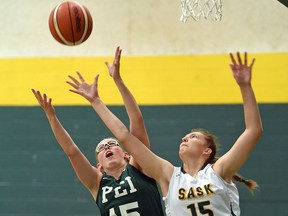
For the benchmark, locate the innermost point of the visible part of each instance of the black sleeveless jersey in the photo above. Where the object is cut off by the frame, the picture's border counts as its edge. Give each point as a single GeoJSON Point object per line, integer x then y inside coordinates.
{"type": "Point", "coordinates": [133, 193]}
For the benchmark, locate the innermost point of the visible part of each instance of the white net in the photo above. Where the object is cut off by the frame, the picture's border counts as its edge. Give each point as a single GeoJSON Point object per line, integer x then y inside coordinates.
{"type": "Point", "coordinates": [198, 9]}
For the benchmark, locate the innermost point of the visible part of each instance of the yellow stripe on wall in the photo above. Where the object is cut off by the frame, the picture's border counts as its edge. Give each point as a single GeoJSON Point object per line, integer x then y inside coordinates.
{"type": "Point", "coordinates": [154, 80]}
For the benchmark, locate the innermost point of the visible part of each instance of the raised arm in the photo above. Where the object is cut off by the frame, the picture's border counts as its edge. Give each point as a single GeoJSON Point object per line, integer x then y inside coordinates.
{"type": "Point", "coordinates": [156, 167]}
{"type": "Point", "coordinates": [87, 174]}
{"type": "Point", "coordinates": [232, 161]}
{"type": "Point", "coordinates": [137, 126]}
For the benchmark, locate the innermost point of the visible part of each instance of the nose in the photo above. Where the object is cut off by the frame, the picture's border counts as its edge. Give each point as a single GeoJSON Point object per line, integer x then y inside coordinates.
{"type": "Point", "coordinates": [106, 146]}
{"type": "Point", "coordinates": [184, 139]}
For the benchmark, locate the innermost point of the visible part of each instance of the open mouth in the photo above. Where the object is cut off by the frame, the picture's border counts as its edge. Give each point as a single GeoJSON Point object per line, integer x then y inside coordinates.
{"type": "Point", "coordinates": [109, 154]}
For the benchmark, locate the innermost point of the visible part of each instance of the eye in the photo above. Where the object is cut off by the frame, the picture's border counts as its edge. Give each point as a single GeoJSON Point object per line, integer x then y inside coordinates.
{"type": "Point", "coordinates": [100, 148]}
{"type": "Point", "coordinates": [112, 143]}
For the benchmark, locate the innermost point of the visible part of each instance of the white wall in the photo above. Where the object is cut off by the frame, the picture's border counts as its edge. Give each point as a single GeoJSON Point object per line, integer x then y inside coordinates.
{"type": "Point", "coordinates": [146, 27]}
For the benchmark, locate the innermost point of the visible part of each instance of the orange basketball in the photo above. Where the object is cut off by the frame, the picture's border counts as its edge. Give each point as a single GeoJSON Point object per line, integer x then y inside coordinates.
{"type": "Point", "coordinates": [70, 23]}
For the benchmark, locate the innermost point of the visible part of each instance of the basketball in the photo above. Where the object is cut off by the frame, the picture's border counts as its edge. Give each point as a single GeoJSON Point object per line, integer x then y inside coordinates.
{"type": "Point", "coordinates": [70, 23]}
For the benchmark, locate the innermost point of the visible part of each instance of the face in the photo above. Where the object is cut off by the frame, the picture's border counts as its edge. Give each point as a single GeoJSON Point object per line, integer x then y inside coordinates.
{"type": "Point", "coordinates": [193, 145]}
{"type": "Point", "coordinates": [110, 154]}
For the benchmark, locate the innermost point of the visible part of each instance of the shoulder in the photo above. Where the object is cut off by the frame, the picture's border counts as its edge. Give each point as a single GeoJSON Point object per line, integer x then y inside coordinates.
{"type": "Point", "coordinates": [177, 172]}
{"type": "Point", "coordinates": [135, 172]}
{"type": "Point", "coordinates": [209, 170]}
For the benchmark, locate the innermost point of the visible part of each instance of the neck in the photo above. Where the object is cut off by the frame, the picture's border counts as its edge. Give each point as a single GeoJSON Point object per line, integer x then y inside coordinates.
{"type": "Point", "coordinates": [115, 171]}
{"type": "Point", "coordinates": [193, 166]}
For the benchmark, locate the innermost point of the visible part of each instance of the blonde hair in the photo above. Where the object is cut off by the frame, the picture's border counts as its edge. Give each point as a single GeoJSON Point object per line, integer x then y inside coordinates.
{"type": "Point", "coordinates": [212, 142]}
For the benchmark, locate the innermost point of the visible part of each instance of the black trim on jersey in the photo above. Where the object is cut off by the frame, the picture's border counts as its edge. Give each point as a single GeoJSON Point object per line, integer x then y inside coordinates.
{"type": "Point", "coordinates": [183, 171]}
{"type": "Point", "coordinates": [232, 213]}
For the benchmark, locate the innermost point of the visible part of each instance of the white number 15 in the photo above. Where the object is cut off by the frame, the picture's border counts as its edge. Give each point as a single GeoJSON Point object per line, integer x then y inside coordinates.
{"type": "Point", "coordinates": [125, 208]}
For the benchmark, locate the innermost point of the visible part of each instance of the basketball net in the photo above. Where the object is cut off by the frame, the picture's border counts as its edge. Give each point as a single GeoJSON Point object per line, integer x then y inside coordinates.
{"type": "Point", "coordinates": [198, 9]}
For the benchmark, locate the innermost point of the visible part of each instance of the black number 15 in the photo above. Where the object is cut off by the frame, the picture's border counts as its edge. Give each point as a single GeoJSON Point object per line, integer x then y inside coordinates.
{"type": "Point", "coordinates": [202, 210]}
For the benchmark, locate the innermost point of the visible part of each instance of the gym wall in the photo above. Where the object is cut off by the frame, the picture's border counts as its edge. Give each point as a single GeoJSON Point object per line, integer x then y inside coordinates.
{"type": "Point", "coordinates": [178, 72]}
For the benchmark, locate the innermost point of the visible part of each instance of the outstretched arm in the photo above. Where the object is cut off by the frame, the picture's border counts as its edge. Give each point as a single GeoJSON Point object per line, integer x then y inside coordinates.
{"type": "Point", "coordinates": [87, 174]}
{"type": "Point", "coordinates": [156, 167]}
{"type": "Point", "coordinates": [232, 161]}
{"type": "Point", "coordinates": [137, 126]}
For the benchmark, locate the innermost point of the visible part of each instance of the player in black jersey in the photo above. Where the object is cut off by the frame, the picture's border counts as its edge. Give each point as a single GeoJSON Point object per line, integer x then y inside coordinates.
{"type": "Point", "coordinates": [118, 184]}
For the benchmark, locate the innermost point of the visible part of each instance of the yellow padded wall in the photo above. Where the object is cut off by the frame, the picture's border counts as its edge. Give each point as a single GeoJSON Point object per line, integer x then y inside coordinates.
{"type": "Point", "coordinates": [154, 80]}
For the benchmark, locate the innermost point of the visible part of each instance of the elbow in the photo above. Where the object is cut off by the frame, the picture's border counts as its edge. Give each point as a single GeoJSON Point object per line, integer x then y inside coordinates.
{"type": "Point", "coordinates": [72, 151]}
{"type": "Point", "coordinates": [260, 131]}
{"type": "Point", "coordinates": [137, 118]}
{"type": "Point", "coordinates": [257, 132]}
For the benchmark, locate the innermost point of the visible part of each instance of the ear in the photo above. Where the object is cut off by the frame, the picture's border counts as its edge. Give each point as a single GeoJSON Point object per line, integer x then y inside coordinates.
{"type": "Point", "coordinates": [126, 157]}
{"type": "Point", "coordinates": [207, 151]}
{"type": "Point", "coordinates": [99, 167]}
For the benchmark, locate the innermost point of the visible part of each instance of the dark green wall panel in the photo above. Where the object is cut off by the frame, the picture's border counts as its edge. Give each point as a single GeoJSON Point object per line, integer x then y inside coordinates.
{"type": "Point", "coordinates": [36, 178]}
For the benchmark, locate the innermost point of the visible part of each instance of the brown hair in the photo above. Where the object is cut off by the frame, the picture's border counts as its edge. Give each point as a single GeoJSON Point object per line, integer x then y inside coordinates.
{"type": "Point", "coordinates": [212, 142]}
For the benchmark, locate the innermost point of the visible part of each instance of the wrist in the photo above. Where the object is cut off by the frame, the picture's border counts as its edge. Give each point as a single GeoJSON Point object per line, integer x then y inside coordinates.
{"type": "Point", "coordinates": [245, 85]}
{"type": "Point", "coordinates": [117, 79]}
{"type": "Point", "coordinates": [94, 100]}
{"type": "Point", "coordinates": [50, 116]}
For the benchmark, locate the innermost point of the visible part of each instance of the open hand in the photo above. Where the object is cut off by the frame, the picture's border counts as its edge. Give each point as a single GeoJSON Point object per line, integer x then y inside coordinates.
{"type": "Point", "coordinates": [88, 91]}
{"type": "Point", "coordinates": [45, 102]}
{"type": "Point", "coordinates": [114, 68]}
{"type": "Point", "coordinates": [241, 70]}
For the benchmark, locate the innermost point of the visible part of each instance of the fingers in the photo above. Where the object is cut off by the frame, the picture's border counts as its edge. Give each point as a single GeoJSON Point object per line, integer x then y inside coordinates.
{"type": "Point", "coordinates": [38, 96]}
{"type": "Point", "coordinates": [107, 64]}
{"type": "Point", "coordinates": [45, 97]}
{"type": "Point", "coordinates": [42, 100]}
{"type": "Point", "coordinates": [252, 63]}
{"type": "Point", "coordinates": [72, 84]}
{"type": "Point", "coordinates": [75, 84]}
{"type": "Point", "coordinates": [232, 59]}
{"type": "Point", "coordinates": [34, 92]}
{"type": "Point", "coordinates": [245, 58]}
{"type": "Point", "coordinates": [74, 80]}
{"type": "Point", "coordinates": [50, 101]}
{"type": "Point", "coordinates": [117, 56]}
{"type": "Point", "coordinates": [116, 51]}
{"type": "Point", "coordinates": [239, 58]}
{"type": "Point", "coordinates": [74, 91]}
{"type": "Point", "coordinates": [96, 79]}
{"type": "Point", "coordinates": [80, 77]}
{"type": "Point", "coordinates": [47, 100]}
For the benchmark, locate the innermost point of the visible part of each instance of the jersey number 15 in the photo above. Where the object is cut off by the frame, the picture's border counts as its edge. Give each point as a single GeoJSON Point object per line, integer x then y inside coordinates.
{"type": "Point", "coordinates": [125, 208]}
{"type": "Point", "coordinates": [202, 210]}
